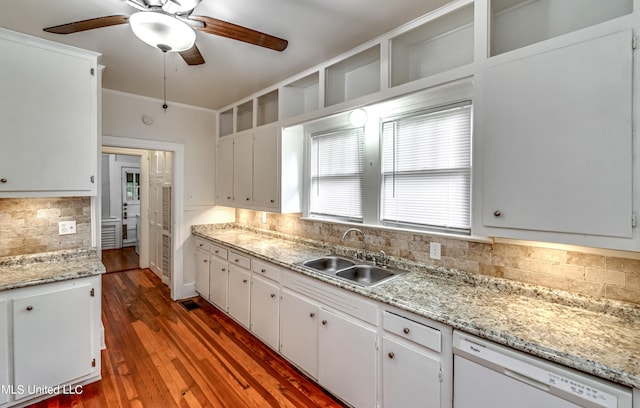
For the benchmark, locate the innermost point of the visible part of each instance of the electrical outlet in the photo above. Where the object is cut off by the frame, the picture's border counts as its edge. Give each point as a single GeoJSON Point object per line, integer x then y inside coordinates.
{"type": "Point", "coordinates": [434, 250]}
{"type": "Point", "coordinates": [264, 217]}
{"type": "Point", "coordinates": [66, 227]}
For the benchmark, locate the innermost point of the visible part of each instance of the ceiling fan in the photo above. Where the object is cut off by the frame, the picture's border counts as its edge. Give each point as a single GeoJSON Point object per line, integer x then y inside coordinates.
{"type": "Point", "coordinates": [169, 26]}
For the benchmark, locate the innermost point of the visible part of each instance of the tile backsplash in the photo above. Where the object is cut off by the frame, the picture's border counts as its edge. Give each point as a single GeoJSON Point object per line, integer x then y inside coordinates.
{"type": "Point", "coordinates": [580, 271]}
{"type": "Point", "coordinates": [30, 225]}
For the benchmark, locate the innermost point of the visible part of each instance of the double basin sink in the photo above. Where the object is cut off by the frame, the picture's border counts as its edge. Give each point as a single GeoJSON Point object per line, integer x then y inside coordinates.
{"type": "Point", "coordinates": [350, 270]}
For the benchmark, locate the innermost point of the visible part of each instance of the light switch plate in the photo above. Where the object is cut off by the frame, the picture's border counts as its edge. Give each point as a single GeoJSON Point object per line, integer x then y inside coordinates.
{"type": "Point", "coordinates": [434, 250]}
{"type": "Point", "coordinates": [66, 227]}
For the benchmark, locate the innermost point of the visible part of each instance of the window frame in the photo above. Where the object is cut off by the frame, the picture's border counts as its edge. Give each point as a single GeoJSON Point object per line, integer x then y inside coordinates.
{"type": "Point", "coordinates": [436, 98]}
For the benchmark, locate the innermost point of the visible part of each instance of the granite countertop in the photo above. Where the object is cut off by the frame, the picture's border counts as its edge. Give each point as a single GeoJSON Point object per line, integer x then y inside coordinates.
{"type": "Point", "coordinates": [29, 270]}
{"type": "Point", "coordinates": [600, 337]}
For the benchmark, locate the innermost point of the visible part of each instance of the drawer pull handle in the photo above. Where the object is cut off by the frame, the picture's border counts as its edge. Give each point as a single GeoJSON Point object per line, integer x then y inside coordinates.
{"type": "Point", "coordinates": [312, 314]}
{"type": "Point", "coordinates": [236, 261]}
{"type": "Point", "coordinates": [223, 269]}
{"type": "Point", "coordinates": [29, 308]}
{"type": "Point", "coordinates": [205, 261]}
{"type": "Point", "coordinates": [406, 330]}
{"type": "Point", "coordinates": [391, 355]}
{"type": "Point", "coordinates": [3, 180]}
{"type": "Point", "coordinates": [324, 322]}
{"type": "Point", "coordinates": [273, 295]}
{"type": "Point", "coordinates": [263, 270]}
{"type": "Point", "coordinates": [216, 251]}
{"type": "Point", "coordinates": [244, 281]}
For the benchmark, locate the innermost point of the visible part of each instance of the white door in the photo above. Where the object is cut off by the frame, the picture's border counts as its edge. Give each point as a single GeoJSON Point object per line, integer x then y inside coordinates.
{"type": "Point", "coordinates": [347, 359]}
{"type": "Point", "coordinates": [130, 204]}
{"type": "Point", "coordinates": [202, 273]}
{"type": "Point", "coordinates": [239, 294]}
{"type": "Point", "coordinates": [264, 310]}
{"type": "Point", "coordinates": [299, 331]}
{"type": "Point", "coordinates": [219, 282]}
{"type": "Point", "coordinates": [51, 339]}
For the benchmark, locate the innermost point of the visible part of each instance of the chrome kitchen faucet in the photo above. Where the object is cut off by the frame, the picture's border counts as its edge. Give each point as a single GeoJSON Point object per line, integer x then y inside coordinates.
{"type": "Point", "coordinates": [364, 244]}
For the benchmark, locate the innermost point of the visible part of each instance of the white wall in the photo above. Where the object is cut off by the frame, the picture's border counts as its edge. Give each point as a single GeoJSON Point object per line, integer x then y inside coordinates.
{"type": "Point", "coordinates": [192, 128]}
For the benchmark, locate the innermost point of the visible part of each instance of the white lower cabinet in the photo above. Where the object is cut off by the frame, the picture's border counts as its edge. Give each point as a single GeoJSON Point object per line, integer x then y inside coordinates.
{"type": "Point", "coordinates": [203, 266]}
{"type": "Point", "coordinates": [52, 338]}
{"type": "Point", "coordinates": [264, 310]}
{"type": "Point", "coordinates": [347, 359]}
{"type": "Point", "coordinates": [364, 355]}
{"type": "Point", "coordinates": [417, 366]}
{"type": "Point", "coordinates": [219, 282]}
{"type": "Point", "coordinates": [410, 377]}
{"type": "Point", "coordinates": [239, 294]}
{"type": "Point", "coordinates": [299, 331]}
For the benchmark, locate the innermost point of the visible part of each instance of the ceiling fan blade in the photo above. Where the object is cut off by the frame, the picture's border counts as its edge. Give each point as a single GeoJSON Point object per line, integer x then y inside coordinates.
{"type": "Point", "coordinates": [88, 24]}
{"type": "Point", "coordinates": [236, 32]}
{"type": "Point", "coordinates": [192, 56]}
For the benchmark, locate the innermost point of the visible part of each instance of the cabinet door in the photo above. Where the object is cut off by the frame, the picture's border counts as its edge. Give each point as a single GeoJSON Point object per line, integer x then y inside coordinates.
{"type": "Point", "coordinates": [202, 273]}
{"type": "Point", "coordinates": [219, 282]}
{"type": "Point", "coordinates": [52, 337]}
{"type": "Point", "coordinates": [347, 359]}
{"type": "Point", "coordinates": [265, 168]}
{"type": "Point", "coordinates": [299, 331]}
{"type": "Point", "coordinates": [48, 119]}
{"type": "Point", "coordinates": [410, 376]}
{"type": "Point", "coordinates": [554, 131]}
{"type": "Point", "coordinates": [224, 173]}
{"type": "Point", "coordinates": [242, 169]}
{"type": "Point", "coordinates": [239, 294]}
{"type": "Point", "coordinates": [264, 310]}
{"type": "Point", "coordinates": [4, 351]}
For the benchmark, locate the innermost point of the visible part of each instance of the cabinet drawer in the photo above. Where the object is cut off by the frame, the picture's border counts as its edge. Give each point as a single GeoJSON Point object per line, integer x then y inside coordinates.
{"type": "Point", "coordinates": [203, 244]}
{"type": "Point", "coordinates": [218, 251]}
{"type": "Point", "coordinates": [240, 260]}
{"type": "Point", "coordinates": [266, 269]}
{"type": "Point", "coordinates": [412, 330]}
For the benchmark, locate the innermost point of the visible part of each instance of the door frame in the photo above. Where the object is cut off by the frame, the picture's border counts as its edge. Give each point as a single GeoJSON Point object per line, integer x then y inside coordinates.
{"type": "Point", "coordinates": [113, 143]}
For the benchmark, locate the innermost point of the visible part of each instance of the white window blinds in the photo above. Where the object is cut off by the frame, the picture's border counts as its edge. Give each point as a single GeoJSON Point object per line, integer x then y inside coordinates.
{"type": "Point", "coordinates": [426, 173]}
{"type": "Point", "coordinates": [337, 172]}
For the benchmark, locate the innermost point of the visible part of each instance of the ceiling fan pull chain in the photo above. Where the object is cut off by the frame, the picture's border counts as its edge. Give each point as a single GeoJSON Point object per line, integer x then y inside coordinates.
{"type": "Point", "coordinates": [164, 74]}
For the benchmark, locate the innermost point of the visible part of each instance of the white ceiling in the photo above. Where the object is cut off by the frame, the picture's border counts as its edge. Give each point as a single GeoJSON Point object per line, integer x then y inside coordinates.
{"type": "Point", "coordinates": [317, 30]}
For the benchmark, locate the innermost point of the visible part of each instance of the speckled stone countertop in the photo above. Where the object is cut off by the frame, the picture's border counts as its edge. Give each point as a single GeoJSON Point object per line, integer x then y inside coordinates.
{"type": "Point", "coordinates": [29, 270]}
{"type": "Point", "coordinates": [599, 337]}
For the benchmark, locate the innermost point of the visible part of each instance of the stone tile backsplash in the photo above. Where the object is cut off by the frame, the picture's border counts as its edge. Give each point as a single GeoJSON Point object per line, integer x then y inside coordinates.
{"type": "Point", "coordinates": [30, 225]}
{"type": "Point", "coordinates": [603, 276]}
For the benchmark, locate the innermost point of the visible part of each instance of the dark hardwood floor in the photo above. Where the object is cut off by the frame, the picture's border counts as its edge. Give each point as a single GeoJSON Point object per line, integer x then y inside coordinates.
{"type": "Point", "coordinates": [160, 354]}
{"type": "Point", "coordinates": [117, 260]}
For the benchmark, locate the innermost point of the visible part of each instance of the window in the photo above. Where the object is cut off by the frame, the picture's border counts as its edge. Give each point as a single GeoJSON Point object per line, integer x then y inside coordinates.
{"type": "Point", "coordinates": [337, 174]}
{"type": "Point", "coordinates": [408, 166]}
{"type": "Point", "coordinates": [426, 169]}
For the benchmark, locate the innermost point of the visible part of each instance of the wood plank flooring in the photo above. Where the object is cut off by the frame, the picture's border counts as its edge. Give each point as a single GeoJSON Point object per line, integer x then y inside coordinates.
{"type": "Point", "coordinates": [159, 354]}
{"type": "Point", "coordinates": [117, 260]}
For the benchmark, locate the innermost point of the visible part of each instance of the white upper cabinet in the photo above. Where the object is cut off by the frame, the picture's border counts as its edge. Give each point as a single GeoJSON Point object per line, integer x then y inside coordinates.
{"type": "Point", "coordinates": [552, 92]}
{"type": "Point", "coordinates": [553, 131]}
{"type": "Point", "coordinates": [48, 118]}
{"type": "Point", "coordinates": [265, 168]}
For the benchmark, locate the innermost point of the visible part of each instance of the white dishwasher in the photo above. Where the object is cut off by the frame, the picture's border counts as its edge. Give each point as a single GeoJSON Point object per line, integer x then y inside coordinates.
{"type": "Point", "coordinates": [493, 376]}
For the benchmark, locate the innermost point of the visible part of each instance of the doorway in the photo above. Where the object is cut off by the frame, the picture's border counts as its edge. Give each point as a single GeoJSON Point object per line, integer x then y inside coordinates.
{"type": "Point", "coordinates": [140, 206]}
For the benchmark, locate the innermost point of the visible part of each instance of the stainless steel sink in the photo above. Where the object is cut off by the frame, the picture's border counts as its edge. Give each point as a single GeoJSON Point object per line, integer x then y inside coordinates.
{"type": "Point", "coordinates": [367, 275]}
{"type": "Point", "coordinates": [329, 264]}
{"type": "Point", "coordinates": [350, 270]}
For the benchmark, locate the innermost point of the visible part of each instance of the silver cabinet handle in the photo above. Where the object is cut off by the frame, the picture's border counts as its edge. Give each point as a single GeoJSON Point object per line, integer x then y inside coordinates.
{"type": "Point", "coordinates": [497, 213]}
{"type": "Point", "coordinates": [29, 308]}
{"type": "Point", "coordinates": [406, 330]}
{"type": "Point", "coordinates": [391, 355]}
{"type": "Point", "coordinates": [324, 322]}
{"type": "Point", "coordinates": [312, 314]}
{"type": "Point", "coordinates": [3, 180]}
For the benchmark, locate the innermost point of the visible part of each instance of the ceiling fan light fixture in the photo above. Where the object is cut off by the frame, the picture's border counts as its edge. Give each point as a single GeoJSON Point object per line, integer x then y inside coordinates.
{"type": "Point", "coordinates": [162, 31]}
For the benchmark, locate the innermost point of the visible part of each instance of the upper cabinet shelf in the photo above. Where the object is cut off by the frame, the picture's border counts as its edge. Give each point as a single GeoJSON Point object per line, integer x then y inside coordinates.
{"type": "Point", "coordinates": [434, 47]}
{"type": "Point", "coordinates": [518, 23]}
{"type": "Point", "coordinates": [450, 43]}
{"type": "Point", "coordinates": [301, 96]}
{"type": "Point", "coordinates": [353, 77]}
